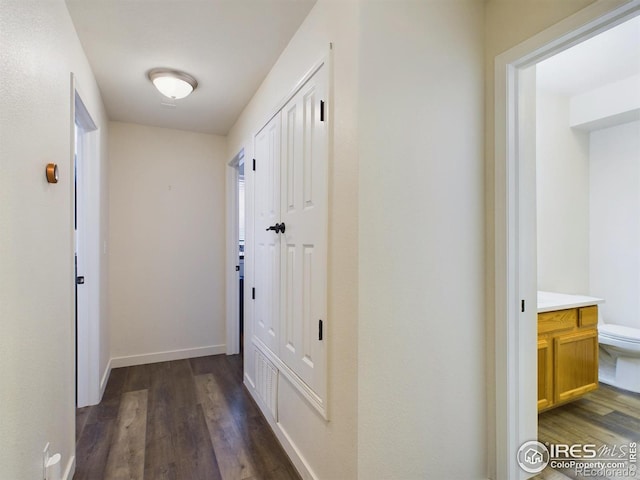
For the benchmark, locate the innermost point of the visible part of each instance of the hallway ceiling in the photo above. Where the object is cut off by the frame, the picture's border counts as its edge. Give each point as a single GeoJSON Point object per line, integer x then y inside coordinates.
{"type": "Point", "coordinates": [229, 46]}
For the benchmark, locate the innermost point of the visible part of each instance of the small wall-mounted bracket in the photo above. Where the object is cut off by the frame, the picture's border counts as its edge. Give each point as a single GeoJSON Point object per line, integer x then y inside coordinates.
{"type": "Point", "coordinates": [52, 173]}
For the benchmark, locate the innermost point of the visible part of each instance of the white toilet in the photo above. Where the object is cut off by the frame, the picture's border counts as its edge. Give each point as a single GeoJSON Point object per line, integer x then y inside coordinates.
{"type": "Point", "coordinates": [619, 362]}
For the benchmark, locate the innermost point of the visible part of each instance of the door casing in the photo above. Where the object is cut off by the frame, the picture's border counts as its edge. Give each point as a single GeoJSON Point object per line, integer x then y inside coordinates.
{"type": "Point", "coordinates": [89, 385]}
{"type": "Point", "coordinates": [514, 408]}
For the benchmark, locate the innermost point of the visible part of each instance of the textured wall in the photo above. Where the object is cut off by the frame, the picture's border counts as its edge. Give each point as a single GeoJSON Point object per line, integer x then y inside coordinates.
{"type": "Point", "coordinates": [421, 375]}
{"type": "Point", "coordinates": [39, 51]}
{"type": "Point", "coordinates": [167, 206]}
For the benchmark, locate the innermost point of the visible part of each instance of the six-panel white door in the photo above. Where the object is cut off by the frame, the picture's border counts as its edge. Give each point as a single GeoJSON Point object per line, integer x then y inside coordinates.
{"type": "Point", "coordinates": [267, 242]}
{"type": "Point", "coordinates": [304, 245]}
{"type": "Point", "coordinates": [291, 181]}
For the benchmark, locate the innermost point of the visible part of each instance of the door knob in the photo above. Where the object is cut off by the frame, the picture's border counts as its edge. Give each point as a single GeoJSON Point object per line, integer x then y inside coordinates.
{"type": "Point", "coordinates": [278, 227]}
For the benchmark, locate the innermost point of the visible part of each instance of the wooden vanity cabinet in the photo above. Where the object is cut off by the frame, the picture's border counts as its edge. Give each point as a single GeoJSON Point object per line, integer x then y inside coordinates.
{"type": "Point", "coordinates": [545, 374]}
{"type": "Point", "coordinates": [567, 355]}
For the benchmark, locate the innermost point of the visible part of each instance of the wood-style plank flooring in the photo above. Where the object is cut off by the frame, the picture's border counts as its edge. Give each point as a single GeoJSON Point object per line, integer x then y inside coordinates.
{"type": "Point", "coordinates": [193, 420]}
{"type": "Point", "coordinates": [182, 420]}
{"type": "Point", "coordinates": [607, 416]}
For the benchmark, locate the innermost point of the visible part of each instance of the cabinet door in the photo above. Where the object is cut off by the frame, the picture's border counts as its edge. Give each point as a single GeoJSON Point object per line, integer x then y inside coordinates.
{"type": "Point", "coordinates": [576, 364]}
{"type": "Point", "coordinates": [267, 242]}
{"type": "Point", "coordinates": [304, 209]}
{"type": "Point", "coordinates": [545, 374]}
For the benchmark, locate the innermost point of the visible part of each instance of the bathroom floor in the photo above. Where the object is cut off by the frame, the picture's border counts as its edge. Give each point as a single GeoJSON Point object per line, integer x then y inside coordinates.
{"type": "Point", "coordinates": [606, 417]}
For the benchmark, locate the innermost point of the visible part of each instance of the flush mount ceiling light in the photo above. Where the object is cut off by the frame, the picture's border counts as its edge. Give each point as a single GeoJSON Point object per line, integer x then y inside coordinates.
{"type": "Point", "coordinates": [172, 83]}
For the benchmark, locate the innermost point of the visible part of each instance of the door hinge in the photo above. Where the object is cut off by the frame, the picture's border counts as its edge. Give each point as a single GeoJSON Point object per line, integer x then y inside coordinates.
{"type": "Point", "coordinates": [319, 329]}
{"type": "Point", "coordinates": [322, 110]}
{"type": "Point", "coordinates": [253, 294]}
{"type": "Point", "coordinates": [254, 165]}
{"type": "Point", "coordinates": [522, 305]}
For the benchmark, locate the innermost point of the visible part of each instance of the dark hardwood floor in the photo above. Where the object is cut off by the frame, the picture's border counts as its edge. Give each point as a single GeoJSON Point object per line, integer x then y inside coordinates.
{"type": "Point", "coordinates": [194, 420]}
{"type": "Point", "coordinates": [182, 420]}
{"type": "Point", "coordinates": [607, 416]}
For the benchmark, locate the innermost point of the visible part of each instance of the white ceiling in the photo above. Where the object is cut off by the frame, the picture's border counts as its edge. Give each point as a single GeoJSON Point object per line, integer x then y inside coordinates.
{"type": "Point", "coordinates": [229, 46]}
{"type": "Point", "coordinates": [606, 58]}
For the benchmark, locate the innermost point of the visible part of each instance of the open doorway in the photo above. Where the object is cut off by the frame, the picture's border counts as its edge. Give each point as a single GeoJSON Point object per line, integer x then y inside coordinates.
{"type": "Point", "coordinates": [516, 245]}
{"type": "Point", "coordinates": [235, 254]}
{"type": "Point", "coordinates": [85, 223]}
{"type": "Point", "coordinates": [588, 242]}
{"type": "Point", "coordinates": [241, 223]}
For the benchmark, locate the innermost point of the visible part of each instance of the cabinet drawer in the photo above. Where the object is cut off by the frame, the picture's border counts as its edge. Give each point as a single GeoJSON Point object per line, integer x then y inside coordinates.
{"type": "Point", "coordinates": [588, 316]}
{"type": "Point", "coordinates": [558, 320]}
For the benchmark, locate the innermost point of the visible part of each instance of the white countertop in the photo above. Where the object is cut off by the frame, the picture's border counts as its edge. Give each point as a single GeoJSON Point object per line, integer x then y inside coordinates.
{"type": "Point", "coordinates": [550, 301]}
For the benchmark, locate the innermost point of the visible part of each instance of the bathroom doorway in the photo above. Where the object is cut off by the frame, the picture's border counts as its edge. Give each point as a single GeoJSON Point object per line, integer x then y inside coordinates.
{"type": "Point", "coordinates": [587, 129]}
{"type": "Point", "coordinates": [515, 225]}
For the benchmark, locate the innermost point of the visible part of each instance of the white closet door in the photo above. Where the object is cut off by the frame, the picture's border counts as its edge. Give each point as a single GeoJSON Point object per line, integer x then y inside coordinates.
{"type": "Point", "coordinates": [304, 199]}
{"type": "Point", "coordinates": [267, 242]}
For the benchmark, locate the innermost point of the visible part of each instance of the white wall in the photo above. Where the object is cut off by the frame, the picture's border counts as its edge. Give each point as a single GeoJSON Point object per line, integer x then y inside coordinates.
{"type": "Point", "coordinates": [562, 183]}
{"type": "Point", "coordinates": [615, 222]}
{"type": "Point", "coordinates": [39, 51]}
{"type": "Point", "coordinates": [167, 208]}
{"type": "Point", "coordinates": [103, 249]}
{"type": "Point", "coordinates": [421, 349]}
{"type": "Point", "coordinates": [329, 449]}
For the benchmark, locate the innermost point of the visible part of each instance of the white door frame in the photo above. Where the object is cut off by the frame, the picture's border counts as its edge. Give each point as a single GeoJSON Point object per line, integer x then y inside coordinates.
{"type": "Point", "coordinates": [88, 385]}
{"type": "Point", "coordinates": [233, 289]}
{"type": "Point", "coordinates": [513, 419]}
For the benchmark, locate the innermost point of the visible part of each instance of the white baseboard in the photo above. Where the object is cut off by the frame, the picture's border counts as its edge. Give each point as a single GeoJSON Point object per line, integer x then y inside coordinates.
{"type": "Point", "coordinates": [249, 382]}
{"type": "Point", "coordinates": [131, 360]}
{"type": "Point", "coordinates": [70, 470]}
{"type": "Point", "coordinates": [292, 451]}
{"type": "Point", "coordinates": [105, 379]}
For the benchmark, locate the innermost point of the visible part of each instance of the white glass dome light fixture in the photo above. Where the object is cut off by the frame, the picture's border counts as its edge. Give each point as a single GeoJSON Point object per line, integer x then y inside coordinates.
{"type": "Point", "coordinates": [172, 84]}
